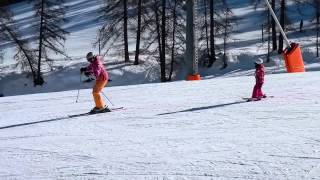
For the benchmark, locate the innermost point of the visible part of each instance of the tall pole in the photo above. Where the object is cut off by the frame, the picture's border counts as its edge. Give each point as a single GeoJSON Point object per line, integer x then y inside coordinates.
{"type": "Point", "coordinates": [191, 54]}
{"type": "Point", "coordinates": [278, 23]}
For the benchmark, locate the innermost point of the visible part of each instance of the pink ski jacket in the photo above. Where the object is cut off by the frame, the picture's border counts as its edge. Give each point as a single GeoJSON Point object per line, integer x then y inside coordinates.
{"type": "Point", "coordinates": [259, 74]}
{"type": "Point", "coordinates": [97, 69]}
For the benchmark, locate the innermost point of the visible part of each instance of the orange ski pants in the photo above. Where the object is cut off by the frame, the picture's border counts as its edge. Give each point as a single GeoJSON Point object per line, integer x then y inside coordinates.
{"type": "Point", "coordinates": [97, 88]}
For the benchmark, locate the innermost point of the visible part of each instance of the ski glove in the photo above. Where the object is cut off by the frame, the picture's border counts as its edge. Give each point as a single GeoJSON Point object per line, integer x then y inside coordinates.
{"type": "Point", "coordinates": [87, 74]}
{"type": "Point", "coordinates": [83, 69]}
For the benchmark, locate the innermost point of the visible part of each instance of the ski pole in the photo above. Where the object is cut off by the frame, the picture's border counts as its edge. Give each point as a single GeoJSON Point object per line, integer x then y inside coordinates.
{"type": "Point", "coordinates": [107, 98]}
{"type": "Point", "coordinates": [278, 24]}
{"type": "Point", "coordinates": [78, 90]}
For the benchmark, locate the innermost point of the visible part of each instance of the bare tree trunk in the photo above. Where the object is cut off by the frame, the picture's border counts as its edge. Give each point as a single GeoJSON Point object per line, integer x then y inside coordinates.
{"type": "Point", "coordinates": [136, 59]}
{"type": "Point", "coordinates": [206, 25]}
{"type": "Point", "coordinates": [262, 38]}
{"type": "Point", "coordinates": [163, 42]}
{"type": "Point", "coordinates": [269, 24]}
{"type": "Point", "coordinates": [273, 24]}
{"type": "Point", "coordinates": [225, 36]}
{"type": "Point", "coordinates": [39, 79]}
{"type": "Point", "coordinates": [282, 16]}
{"type": "Point", "coordinates": [173, 39]}
{"type": "Point", "coordinates": [212, 26]}
{"type": "Point", "coordinates": [158, 28]}
{"type": "Point", "coordinates": [125, 30]}
{"type": "Point", "coordinates": [318, 22]}
{"type": "Point", "coordinates": [301, 25]}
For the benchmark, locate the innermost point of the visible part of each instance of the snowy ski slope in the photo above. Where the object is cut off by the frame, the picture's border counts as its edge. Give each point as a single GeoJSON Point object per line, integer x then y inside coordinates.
{"type": "Point", "coordinates": [180, 130]}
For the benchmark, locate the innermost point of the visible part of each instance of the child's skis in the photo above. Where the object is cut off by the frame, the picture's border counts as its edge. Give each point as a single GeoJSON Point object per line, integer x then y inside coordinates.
{"type": "Point", "coordinates": [256, 99]}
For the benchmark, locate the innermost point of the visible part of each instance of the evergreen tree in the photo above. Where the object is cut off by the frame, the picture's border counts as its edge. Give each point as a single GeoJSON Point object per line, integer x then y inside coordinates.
{"type": "Point", "coordinates": [24, 55]}
{"type": "Point", "coordinates": [226, 34]}
{"type": "Point", "coordinates": [51, 34]}
{"type": "Point", "coordinates": [212, 37]}
{"type": "Point", "coordinates": [116, 18]}
{"type": "Point", "coordinates": [282, 23]}
{"type": "Point", "coordinates": [136, 59]}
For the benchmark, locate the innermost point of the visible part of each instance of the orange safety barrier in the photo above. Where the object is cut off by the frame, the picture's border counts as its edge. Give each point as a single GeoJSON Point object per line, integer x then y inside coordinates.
{"type": "Point", "coordinates": [193, 77]}
{"type": "Point", "coordinates": [293, 58]}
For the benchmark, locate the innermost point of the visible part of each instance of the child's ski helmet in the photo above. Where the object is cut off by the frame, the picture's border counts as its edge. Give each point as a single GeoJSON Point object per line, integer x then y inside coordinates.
{"type": "Point", "coordinates": [259, 61]}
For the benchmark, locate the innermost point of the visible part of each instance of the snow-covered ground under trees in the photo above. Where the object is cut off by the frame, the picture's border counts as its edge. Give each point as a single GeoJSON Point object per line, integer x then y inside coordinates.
{"type": "Point", "coordinates": [179, 130]}
{"type": "Point", "coordinates": [244, 46]}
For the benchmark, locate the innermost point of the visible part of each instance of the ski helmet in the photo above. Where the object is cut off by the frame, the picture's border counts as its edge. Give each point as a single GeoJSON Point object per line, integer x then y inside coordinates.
{"type": "Point", "coordinates": [89, 56]}
{"type": "Point", "coordinates": [259, 61]}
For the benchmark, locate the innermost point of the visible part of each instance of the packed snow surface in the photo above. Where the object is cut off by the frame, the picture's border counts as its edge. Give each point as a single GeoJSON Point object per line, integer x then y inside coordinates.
{"type": "Point", "coordinates": [179, 130]}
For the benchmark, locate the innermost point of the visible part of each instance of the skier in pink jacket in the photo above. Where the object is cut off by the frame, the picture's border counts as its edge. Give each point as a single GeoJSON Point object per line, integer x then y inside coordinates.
{"type": "Point", "coordinates": [259, 75]}
{"type": "Point", "coordinates": [97, 69]}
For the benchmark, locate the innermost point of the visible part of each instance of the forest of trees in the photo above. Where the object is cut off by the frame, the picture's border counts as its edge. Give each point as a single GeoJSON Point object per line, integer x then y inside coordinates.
{"type": "Point", "coordinates": [157, 26]}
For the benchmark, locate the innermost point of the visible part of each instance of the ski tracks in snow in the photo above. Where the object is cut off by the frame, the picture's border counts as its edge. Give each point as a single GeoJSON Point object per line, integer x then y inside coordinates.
{"type": "Point", "coordinates": [168, 131]}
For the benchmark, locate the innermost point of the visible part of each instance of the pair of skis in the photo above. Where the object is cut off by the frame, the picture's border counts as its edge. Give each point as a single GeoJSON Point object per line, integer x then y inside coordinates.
{"type": "Point", "coordinates": [255, 99]}
{"type": "Point", "coordinates": [89, 113]}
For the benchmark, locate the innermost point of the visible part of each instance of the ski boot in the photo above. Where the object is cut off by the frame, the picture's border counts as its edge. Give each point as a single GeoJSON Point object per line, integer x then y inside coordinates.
{"type": "Point", "coordinates": [96, 110]}
{"type": "Point", "coordinates": [253, 99]}
{"type": "Point", "coordinates": [106, 109]}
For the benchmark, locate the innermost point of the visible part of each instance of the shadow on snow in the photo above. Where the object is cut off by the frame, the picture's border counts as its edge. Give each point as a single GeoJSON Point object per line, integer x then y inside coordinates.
{"type": "Point", "coordinates": [43, 121]}
{"type": "Point", "coordinates": [203, 108]}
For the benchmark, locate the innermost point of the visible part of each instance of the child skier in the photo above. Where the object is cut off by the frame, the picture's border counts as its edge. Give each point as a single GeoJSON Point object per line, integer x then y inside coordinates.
{"type": "Point", "coordinates": [259, 75]}
{"type": "Point", "coordinates": [97, 69]}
